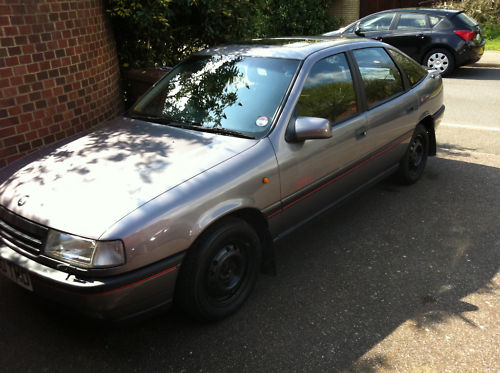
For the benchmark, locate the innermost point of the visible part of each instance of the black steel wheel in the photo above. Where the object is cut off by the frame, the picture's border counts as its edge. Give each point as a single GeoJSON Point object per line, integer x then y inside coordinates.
{"type": "Point", "coordinates": [441, 60]}
{"type": "Point", "coordinates": [412, 166]}
{"type": "Point", "coordinates": [219, 270]}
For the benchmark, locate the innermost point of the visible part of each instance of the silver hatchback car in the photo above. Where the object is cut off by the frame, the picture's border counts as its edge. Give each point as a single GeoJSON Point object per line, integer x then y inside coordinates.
{"type": "Point", "coordinates": [180, 199]}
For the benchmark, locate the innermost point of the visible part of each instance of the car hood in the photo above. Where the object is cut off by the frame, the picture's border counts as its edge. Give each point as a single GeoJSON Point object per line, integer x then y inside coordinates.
{"type": "Point", "coordinates": [86, 185]}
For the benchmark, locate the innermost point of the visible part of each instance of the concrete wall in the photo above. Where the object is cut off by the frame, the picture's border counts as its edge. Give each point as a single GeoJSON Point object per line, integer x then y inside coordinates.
{"type": "Point", "coordinates": [58, 72]}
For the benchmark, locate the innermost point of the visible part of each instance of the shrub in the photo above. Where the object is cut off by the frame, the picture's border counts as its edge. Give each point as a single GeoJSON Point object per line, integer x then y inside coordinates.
{"type": "Point", "coordinates": [483, 11]}
{"type": "Point", "coordinates": [153, 33]}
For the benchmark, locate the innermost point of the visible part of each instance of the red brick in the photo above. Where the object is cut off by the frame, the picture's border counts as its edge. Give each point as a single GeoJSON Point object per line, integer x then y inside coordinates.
{"type": "Point", "coordinates": [37, 143]}
{"type": "Point", "coordinates": [30, 19]}
{"type": "Point", "coordinates": [22, 39]}
{"type": "Point", "coordinates": [15, 51]}
{"type": "Point", "coordinates": [25, 59]}
{"type": "Point", "coordinates": [23, 127]}
{"type": "Point", "coordinates": [16, 20]}
{"type": "Point", "coordinates": [4, 21]}
{"type": "Point", "coordinates": [24, 147]}
{"type": "Point", "coordinates": [35, 125]}
{"type": "Point", "coordinates": [16, 81]}
{"type": "Point", "coordinates": [22, 99]}
{"type": "Point", "coordinates": [33, 68]}
{"type": "Point", "coordinates": [29, 78]}
{"type": "Point", "coordinates": [14, 111]}
{"type": "Point", "coordinates": [28, 48]}
{"type": "Point", "coordinates": [7, 42]}
{"type": "Point", "coordinates": [28, 107]}
{"type": "Point", "coordinates": [34, 38]}
{"type": "Point", "coordinates": [6, 102]}
{"type": "Point", "coordinates": [8, 151]}
{"type": "Point", "coordinates": [25, 30]}
{"type": "Point", "coordinates": [8, 131]}
{"type": "Point", "coordinates": [28, 117]}
{"type": "Point", "coordinates": [12, 61]}
{"type": "Point", "coordinates": [41, 47]}
{"type": "Point", "coordinates": [14, 140]}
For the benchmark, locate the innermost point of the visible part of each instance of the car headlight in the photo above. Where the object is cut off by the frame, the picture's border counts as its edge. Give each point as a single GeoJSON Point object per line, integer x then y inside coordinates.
{"type": "Point", "coordinates": [83, 252]}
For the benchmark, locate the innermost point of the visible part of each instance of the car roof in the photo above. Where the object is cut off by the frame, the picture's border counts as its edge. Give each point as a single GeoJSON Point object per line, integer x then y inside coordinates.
{"type": "Point", "coordinates": [285, 47]}
{"type": "Point", "coordinates": [443, 12]}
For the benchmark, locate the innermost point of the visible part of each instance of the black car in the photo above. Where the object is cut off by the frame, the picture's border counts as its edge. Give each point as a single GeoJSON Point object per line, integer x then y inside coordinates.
{"type": "Point", "coordinates": [438, 38]}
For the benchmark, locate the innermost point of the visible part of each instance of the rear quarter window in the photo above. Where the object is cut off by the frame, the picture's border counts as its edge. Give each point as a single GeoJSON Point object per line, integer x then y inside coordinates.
{"type": "Point", "coordinates": [381, 77]}
{"type": "Point", "coordinates": [469, 21]}
{"type": "Point", "coordinates": [413, 71]}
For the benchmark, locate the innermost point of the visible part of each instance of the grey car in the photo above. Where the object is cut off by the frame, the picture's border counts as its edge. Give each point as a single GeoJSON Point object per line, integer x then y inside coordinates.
{"type": "Point", "coordinates": [181, 199]}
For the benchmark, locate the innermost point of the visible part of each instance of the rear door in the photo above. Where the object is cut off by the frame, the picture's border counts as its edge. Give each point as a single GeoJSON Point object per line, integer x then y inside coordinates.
{"type": "Point", "coordinates": [391, 111]}
{"type": "Point", "coordinates": [411, 34]}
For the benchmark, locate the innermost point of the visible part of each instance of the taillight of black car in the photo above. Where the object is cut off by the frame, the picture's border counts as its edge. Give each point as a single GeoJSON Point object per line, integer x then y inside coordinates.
{"type": "Point", "coordinates": [466, 34]}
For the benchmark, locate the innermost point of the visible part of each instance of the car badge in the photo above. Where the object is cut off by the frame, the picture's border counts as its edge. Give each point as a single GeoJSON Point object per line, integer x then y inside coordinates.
{"type": "Point", "coordinates": [22, 200]}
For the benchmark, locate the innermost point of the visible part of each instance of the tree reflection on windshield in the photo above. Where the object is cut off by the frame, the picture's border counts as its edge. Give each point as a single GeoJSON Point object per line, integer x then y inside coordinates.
{"type": "Point", "coordinates": [235, 93]}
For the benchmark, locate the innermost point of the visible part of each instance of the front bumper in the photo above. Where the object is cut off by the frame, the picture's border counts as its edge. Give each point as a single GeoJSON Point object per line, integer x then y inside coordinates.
{"type": "Point", "coordinates": [115, 297]}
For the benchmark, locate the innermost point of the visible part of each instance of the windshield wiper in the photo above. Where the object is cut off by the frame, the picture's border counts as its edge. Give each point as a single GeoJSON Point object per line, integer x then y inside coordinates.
{"type": "Point", "coordinates": [219, 130]}
{"type": "Point", "coordinates": [150, 118]}
{"type": "Point", "coordinates": [189, 126]}
{"type": "Point", "coordinates": [222, 131]}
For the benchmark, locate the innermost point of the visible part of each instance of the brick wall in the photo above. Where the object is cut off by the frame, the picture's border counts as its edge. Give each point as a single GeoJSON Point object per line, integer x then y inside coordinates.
{"type": "Point", "coordinates": [58, 72]}
{"type": "Point", "coordinates": [346, 10]}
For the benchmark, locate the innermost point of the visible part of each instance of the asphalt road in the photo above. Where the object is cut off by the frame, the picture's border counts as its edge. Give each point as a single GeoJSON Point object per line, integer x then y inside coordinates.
{"type": "Point", "coordinates": [398, 279]}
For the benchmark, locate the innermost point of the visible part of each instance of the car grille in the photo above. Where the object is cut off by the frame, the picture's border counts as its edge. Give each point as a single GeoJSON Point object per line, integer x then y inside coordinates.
{"type": "Point", "coordinates": [20, 233]}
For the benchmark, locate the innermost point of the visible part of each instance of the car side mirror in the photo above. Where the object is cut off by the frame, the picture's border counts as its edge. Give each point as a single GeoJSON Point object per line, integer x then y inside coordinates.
{"type": "Point", "coordinates": [307, 128]}
{"type": "Point", "coordinates": [357, 31]}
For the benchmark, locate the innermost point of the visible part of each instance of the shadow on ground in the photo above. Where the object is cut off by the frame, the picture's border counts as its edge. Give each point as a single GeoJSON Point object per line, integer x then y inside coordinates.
{"type": "Point", "coordinates": [476, 73]}
{"type": "Point", "coordinates": [345, 282]}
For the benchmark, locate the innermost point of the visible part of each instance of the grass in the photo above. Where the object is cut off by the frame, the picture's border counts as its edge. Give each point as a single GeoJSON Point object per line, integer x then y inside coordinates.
{"type": "Point", "coordinates": [491, 33]}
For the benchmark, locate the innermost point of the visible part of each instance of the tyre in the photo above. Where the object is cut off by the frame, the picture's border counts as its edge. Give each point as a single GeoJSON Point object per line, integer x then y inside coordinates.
{"type": "Point", "coordinates": [441, 60]}
{"type": "Point", "coordinates": [412, 165]}
{"type": "Point", "coordinates": [219, 271]}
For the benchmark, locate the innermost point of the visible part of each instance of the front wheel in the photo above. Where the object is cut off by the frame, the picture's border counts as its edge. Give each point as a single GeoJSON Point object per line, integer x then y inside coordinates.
{"type": "Point", "coordinates": [441, 60]}
{"type": "Point", "coordinates": [412, 166]}
{"type": "Point", "coordinates": [219, 271]}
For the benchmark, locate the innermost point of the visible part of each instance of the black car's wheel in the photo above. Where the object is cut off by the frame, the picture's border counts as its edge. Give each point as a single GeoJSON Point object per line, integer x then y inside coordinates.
{"type": "Point", "coordinates": [219, 271]}
{"type": "Point", "coordinates": [441, 60]}
{"type": "Point", "coordinates": [412, 166]}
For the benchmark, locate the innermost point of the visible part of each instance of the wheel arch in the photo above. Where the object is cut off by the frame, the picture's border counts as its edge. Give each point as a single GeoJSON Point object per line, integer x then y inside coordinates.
{"type": "Point", "coordinates": [438, 46]}
{"type": "Point", "coordinates": [257, 220]}
{"type": "Point", "coordinates": [428, 123]}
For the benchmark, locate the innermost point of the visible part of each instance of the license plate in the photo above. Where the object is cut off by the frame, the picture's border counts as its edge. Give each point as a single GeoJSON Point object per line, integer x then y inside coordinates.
{"type": "Point", "coordinates": [17, 274]}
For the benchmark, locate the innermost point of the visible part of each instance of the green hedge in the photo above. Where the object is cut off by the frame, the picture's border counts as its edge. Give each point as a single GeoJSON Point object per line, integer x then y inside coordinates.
{"type": "Point", "coordinates": [153, 33]}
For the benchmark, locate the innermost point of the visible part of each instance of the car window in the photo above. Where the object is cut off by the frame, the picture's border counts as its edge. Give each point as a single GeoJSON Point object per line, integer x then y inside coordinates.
{"type": "Point", "coordinates": [328, 91]}
{"type": "Point", "coordinates": [469, 21]}
{"type": "Point", "coordinates": [233, 93]}
{"type": "Point", "coordinates": [408, 21]}
{"type": "Point", "coordinates": [433, 20]}
{"type": "Point", "coordinates": [413, 71]}
{"type": "Point", "coordinates": [381, 78]}
{"type": "Point", "coordinates": [379, 22]}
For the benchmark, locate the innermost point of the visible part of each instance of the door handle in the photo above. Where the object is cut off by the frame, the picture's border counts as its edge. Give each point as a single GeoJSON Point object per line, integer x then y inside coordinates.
{"type": "Point", "coordinates": [361, 133]}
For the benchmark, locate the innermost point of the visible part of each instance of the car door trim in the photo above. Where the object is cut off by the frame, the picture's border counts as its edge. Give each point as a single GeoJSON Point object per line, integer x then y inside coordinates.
{"type": "Point", "coordinates": [312, 189]}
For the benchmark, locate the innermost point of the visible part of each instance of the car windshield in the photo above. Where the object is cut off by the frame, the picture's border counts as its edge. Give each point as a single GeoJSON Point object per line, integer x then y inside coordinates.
{"type": "Point", "coordinates": [232, 95]}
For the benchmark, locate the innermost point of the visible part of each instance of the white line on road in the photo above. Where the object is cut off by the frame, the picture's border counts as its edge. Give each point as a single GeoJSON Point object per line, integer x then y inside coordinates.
{"type": "Point", "coordinates": [471, 127]}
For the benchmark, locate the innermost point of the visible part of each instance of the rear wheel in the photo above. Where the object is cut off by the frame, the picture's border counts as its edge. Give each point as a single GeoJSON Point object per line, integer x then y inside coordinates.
{"type": "Point", "coordinates": [441, 60]}
{"type": "Point", "coordinates": [412, 166]}
{"type": "Point", "coordinates": [219, 271]}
